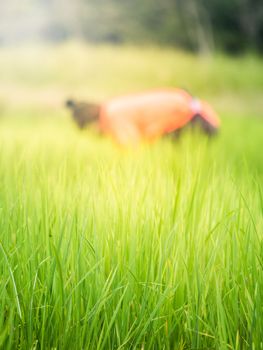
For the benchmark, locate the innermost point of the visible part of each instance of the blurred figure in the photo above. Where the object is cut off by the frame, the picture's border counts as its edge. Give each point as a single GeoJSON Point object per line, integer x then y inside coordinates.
{"type": "Point", "coordinates": [146, 116]}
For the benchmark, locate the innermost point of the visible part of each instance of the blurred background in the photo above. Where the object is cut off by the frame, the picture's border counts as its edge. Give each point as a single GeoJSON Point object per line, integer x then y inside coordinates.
{"type": "Point", "coordinates": [54, 49]}
{"type": "Point", "coordinates": [196, 25]}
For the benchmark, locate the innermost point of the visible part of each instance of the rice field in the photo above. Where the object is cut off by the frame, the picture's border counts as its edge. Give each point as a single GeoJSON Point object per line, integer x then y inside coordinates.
{"type": "Point", "coordinates": [158, 247]}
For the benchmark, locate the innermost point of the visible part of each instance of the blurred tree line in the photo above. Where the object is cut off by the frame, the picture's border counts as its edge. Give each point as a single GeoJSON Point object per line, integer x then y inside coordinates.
{"type": "Point", "coordinates": [197, 25]}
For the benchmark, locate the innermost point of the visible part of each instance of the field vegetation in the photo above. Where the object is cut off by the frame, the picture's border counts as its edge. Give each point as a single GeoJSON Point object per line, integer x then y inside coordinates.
{"type": "Point", "coordinates": [158, 247]}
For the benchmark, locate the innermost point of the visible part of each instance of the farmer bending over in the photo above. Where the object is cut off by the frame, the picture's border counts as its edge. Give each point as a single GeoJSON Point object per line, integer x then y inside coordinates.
{"type": "Point", "coordinates": [146, 116]}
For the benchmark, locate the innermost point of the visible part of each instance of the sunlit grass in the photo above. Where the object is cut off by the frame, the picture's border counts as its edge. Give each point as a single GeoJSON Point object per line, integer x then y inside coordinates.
{"type": "Point", "coordinates": [158, 247]}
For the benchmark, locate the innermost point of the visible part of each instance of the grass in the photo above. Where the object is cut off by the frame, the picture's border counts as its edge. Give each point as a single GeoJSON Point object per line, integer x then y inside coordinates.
{"type": "Point", "coordinates": [103, 248]}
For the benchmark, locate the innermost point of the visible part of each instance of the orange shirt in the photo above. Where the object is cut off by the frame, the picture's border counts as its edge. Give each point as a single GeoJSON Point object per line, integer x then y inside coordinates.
{"type": "Point", "coordinates": [146, 116]}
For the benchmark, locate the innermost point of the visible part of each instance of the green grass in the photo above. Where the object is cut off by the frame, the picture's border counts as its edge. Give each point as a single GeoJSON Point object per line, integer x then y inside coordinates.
{"type": "Point", "coordinates": [159, 247]}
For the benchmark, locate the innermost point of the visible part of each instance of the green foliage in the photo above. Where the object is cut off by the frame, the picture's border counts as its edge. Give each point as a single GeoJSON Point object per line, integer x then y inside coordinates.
{"type": "Point", "coordinates": [201, 26]}
{"type": "Point", "coordinates": [197, 25]}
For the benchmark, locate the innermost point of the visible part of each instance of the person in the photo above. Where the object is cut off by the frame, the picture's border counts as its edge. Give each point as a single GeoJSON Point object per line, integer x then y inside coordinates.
{"type": "Point", "coordinates": [146, 116]}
